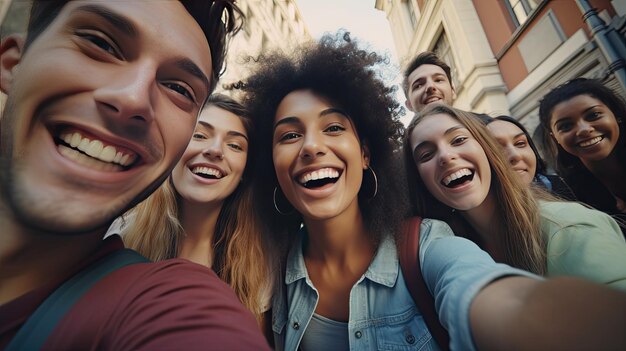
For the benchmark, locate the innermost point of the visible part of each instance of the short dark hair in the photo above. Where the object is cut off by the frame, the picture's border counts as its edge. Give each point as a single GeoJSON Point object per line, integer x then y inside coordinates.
{"type": "Point", "coordinates": [337, 69]}
{"type": "Point", "coordinates": [565, 162]}
{"type": "Point", "coordinates": [217, 18]}
{"type": "Point", "coordinates": [425, 58]}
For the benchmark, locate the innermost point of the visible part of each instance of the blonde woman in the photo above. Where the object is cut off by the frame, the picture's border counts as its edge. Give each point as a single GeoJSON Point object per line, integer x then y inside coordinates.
{"type": "Point", "coordinates": [459, 174]}
{"type": "Point", "coordinates": [204, 211]}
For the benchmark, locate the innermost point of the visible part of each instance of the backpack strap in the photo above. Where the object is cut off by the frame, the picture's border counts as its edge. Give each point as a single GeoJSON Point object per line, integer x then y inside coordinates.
{"type": "Point", "coordinates": [408, 254]}
{"type": "Point", "coordinates": [35, 331]}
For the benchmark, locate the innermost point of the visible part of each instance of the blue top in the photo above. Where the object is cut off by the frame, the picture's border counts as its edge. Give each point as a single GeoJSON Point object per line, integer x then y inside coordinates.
{"type": "Point", "coordinates": [382, 312]}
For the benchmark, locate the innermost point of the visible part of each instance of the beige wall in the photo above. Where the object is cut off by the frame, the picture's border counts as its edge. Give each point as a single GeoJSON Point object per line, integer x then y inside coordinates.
{"type": "Point", "coordinates": [481, 87]}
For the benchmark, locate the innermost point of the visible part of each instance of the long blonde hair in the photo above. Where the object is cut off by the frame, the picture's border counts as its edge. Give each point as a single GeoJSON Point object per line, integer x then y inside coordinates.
{"type": "Point", "coordinates": [521, 237]}
{"type": "Point", "coordinates": [241, 257]}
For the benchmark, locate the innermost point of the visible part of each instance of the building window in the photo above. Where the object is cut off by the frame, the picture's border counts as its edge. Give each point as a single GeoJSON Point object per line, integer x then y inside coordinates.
{"type": "Point", "coordinates": [520, 10]}
{"type": "Point", "coordinates": [444, 51]}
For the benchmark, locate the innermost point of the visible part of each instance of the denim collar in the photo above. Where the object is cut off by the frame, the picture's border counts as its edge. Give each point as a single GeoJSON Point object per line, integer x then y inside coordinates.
{"type": "Point", "coordinates": [383, 269]}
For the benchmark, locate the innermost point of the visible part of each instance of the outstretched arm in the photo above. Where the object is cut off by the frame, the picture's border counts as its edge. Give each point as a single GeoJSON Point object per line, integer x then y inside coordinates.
{"type": "Point", "coordinates": [493, 306]}
{"type": "Point", "coordinates": [561, 313]}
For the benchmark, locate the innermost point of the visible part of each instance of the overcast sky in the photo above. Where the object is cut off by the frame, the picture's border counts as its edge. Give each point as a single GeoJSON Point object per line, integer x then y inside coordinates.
{"type": "Point", "coordinates": [361, 19]}
{"type": "Point", "coordinates": [358, 16]}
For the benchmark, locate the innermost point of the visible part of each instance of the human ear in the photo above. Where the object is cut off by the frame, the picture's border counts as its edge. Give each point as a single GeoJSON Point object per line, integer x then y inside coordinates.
{"type": "Point", "coordinates": [408, 105]}
{"type": "Point", "coordinates": [365, 155]}
{"type": "Point", "coordinates": [11, 50]}
{"type": "Point", "coordinates": [453, 92]}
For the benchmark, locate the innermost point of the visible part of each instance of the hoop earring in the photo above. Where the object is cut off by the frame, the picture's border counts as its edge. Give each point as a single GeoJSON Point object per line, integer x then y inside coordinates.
{"type": "Point", "coordinates": [276, 205]}
{"type": "Point", "coordinates": [375, 182]}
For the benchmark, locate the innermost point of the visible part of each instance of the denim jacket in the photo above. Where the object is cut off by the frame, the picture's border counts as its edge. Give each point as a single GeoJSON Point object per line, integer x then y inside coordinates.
{"type": "Point", "coordinates": [383, 315]}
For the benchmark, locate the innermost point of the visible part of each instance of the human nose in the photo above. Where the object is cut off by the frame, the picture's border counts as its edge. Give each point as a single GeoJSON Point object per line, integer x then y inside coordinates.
{"type": "Point", "coordinates": [446, 155]}
{"type": "Point", "coordinates": [214, 149]}
{"type": "Point", "coordinates": [312, 146]}
{"type": "Point", "coordinates": [128, 96]}
{"type": "Point", "coordinates": [512, 154]}
{"type": "Point", "coordinates": [430, 86]}
{"type": "Point", "coordinates": [584, 128]}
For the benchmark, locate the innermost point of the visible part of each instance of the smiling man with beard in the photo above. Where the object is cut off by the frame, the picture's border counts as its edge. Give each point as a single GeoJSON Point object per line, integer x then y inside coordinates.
{"type": "Point", "coordinates": [102, 100]}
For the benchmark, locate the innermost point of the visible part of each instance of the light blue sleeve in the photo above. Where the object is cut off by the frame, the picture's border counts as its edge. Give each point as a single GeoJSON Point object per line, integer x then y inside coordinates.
{"type": "Point", "coordinates": [455, 270]}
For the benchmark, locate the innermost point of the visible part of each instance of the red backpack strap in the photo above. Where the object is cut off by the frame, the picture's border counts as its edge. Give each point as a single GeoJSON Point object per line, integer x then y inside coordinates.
{"type": "Point", "coordinates": [408, 254]}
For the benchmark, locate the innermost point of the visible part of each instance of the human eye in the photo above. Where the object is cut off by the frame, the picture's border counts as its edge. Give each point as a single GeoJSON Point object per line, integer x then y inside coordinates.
{"type": "Point", "coordinates": [235, 146]}
{"type": "Point", "coordinates": [521, 143]}
{"type": "Point", "coordinates": [180, 89]}
{"type": "Point", "coordinates": [100, 41]}
{"type": "Point", "coordinates": [424, 156]}
{"type": "Point", "coordinates": [594, 115]}
{"type": "Point", "coordinates": [458, 140]}
{"type": "Point", "coordinates": [288, 136]}
{"type": "Point", "coordinates": [335, 129]}
{"type": "Point", "coordinates": [199, 136]}
{"type": "Point", "coordinates": [564, 126]}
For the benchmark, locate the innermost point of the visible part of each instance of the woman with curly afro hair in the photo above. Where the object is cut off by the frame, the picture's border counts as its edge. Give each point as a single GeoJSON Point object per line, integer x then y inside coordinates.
{"type": "Point", "coordinates": [329, 179]}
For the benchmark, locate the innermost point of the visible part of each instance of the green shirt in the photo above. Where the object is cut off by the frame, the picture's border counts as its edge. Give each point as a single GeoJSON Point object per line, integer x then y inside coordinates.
{"type": "Point", "coordinates": [583, 242]}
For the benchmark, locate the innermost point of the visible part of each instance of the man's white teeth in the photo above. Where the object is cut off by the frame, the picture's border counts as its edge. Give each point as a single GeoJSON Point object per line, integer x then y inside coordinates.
{"type": "Point", "coordinates": [208, 171]}
{"type": "Point", "coordinates": [591, 141]}
{"type": "Point", "coordinates": [96, 149]}
{"type": "Point", "coordinates": [456, 175]}
{"type": "Point", "coordinates": [87, 161]}
{"type": "Point", "coordinates": [319, 174]}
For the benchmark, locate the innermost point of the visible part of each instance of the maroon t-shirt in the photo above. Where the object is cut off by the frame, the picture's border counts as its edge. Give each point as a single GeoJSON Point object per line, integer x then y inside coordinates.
{"type": "Point", "coordinates": [172, 304]}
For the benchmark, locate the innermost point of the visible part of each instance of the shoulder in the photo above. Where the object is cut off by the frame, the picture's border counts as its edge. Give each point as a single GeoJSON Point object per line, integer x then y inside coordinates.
{"type": "Point", "coordinates": [174, 277]}
{"type": "Point", "coordinates": [433, 229]}
{"type": "Point", "coordinates": [567, 213]}
{"type": "Point", "coordinates": [173, 304]}
{"type": "Point", "coordinates": [565, 222]}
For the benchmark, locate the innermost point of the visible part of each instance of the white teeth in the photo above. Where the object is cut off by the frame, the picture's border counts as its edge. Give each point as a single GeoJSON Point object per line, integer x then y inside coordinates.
{"type": "Point", "coordinates": [456, 175]}
{"type": "Point", "coordinates": [74, 140]}
{"type": "Point", "coordinates": [319, 174]}
{"type": "Point", "coordinates": [87, 161]}
{"type": "Point", "coordinates": [208, 171]}
{"type": "Point", "coordinates": [83, 145]}
{"type": "Point", "coordinates": [96, 149]}
{"type": "Point", "coordinates": [108, 154]}
{"type": "Point", "coordinates": [590, 142]}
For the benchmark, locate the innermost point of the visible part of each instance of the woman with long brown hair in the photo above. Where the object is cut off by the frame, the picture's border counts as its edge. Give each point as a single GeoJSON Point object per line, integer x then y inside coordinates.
{"type": "Point", "coordinates": [204, 211]}
{"type": "Point", "coordinates": [460, 175]}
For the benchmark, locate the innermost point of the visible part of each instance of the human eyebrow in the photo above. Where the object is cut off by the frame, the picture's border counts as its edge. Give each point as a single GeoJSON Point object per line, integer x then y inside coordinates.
{"type": "Point", "coordinates": [564, 119]}
{"type": "Point", "coordinates": [332, 110]}
{"type": "Point", "coordinates": [452, 129]}
{"type": "Point", "coordinates": [206, 125]}
{"type": "Point", "coordinates": [286, 120]}
{"type": "Point", "coordinates": [188, 66]}
{"type": "Point", "coordinates": [117, 20]}
{"type": "Point", "coordinates": [237, 134]}
{"type": "Point", "coordinates": [448, 131]}
{"type": "Point", "coordinates": [418, 80]}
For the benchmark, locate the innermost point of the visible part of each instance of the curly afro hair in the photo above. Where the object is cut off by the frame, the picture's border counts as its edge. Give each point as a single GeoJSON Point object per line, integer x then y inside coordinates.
{"type": "Point", "coordinates": [337, 69]}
